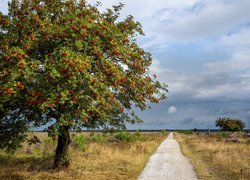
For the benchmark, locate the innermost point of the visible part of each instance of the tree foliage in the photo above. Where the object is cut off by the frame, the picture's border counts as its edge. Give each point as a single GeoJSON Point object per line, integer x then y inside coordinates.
{"type": "Point", "coordinates": [64, 61]}
{"type": "Point", "coordinates": [228, 124]}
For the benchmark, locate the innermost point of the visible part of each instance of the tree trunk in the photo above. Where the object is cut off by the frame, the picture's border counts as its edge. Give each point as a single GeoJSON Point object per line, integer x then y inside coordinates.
{"type": "Point", "coordinates": [61, 158]}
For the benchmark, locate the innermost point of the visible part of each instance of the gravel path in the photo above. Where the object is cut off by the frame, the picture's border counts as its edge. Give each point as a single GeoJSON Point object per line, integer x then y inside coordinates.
{"type": "Point", "coordinates": [168, 163]}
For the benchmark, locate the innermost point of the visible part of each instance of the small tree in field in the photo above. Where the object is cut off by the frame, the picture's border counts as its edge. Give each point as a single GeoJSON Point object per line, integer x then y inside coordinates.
{"type": "Point", "coordinates": [228, 124]}
{"type": "Point", "coordinates": [66, 63]}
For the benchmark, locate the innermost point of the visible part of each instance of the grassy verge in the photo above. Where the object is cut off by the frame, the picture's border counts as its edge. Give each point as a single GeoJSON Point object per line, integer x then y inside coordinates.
{"type": "Point", "coordinates": [217, 155]}
{"type": "Point", "coordinates": [93, 156]}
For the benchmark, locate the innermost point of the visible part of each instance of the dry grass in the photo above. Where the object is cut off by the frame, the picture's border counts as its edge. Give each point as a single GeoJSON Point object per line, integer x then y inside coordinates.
{"type": "Point", "coordinates": [103, 160]}
{"type": "Point", "coordinates": [215, 156]}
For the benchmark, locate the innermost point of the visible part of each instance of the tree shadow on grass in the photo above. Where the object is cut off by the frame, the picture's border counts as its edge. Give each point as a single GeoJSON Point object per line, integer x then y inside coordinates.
{"type": "Point", "coordinates": [23, 167]}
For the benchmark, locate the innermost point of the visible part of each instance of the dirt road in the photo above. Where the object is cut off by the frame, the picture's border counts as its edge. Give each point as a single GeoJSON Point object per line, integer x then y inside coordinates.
{"type": "Point", "coordinates": [168, 163]}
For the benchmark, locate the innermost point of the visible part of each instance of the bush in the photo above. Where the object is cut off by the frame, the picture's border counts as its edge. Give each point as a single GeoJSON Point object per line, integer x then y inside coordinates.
{"type": "Point", "coordinates": [99, 137]}
{"type": "Point", "coordinates": [164, 132]}
{"type": "Point", "coordinates": [246, 135]}
{"type": "Point", "coordinates": [185, 131]}
{"type": "Point", "coordinates": [127, 137]}
{"type": "Point", "coordinates": [228, 124]}
{"type": "Point", "coordinates": [48, 146]}
{"type": "Point", "coordinates": [223, 135]}
{"type": "Point", "coordinates": [137, 133]}
{"type": "Point", "coordinates": [33, 140]}
{"type": "Point", "coordinates": [79, 142]}
{"type": "Point", "coordinates": [13, 132]}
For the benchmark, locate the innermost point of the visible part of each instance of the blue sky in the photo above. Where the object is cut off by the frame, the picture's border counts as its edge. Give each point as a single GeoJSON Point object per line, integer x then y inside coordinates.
{"type": "Point", "coordinates": [201, 50]}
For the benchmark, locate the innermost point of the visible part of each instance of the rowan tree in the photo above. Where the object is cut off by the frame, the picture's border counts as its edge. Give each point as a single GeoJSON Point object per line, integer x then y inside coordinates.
{"type": "Point", "coordinates": [65, 62]}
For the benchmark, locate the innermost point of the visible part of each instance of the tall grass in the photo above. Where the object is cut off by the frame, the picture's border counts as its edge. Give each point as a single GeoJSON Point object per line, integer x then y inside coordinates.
{"type": "Point", "coordinates": [93, 156]}
{"type": "Point", "coordinates": [217, 155]}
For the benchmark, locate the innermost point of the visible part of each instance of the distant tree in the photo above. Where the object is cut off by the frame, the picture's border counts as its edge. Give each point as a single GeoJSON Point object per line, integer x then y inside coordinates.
{"type": "Point", "coordinates": [228, 124]}
{"type": "Point", "coordinates": [67, 63]}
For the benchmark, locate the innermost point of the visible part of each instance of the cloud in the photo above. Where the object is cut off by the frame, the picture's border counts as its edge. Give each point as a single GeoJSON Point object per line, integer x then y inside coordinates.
{"type": "Point", "coordinates": [4, 6]}
{"type": "Point", "coordinates": [172, 110]}
{"type": "Point", "coordinates": [200, 49]}
{"type": "Point", "coordinates": [239, 40]}
{"type": "Point", "coordinates": [205, 84]}
{"type": "Point", "coordinates": [165, 22]}
{"type": "Point", "coordinates": [238, 62]}
{"type": "Point", "coordinates": [212, 19]}
{"type": "Point", "coordinates": [239, 44]}
{"type": "Point", "coordinates": [192, 114]}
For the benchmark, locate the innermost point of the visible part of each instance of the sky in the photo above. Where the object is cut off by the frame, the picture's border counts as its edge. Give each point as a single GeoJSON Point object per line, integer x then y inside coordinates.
{"type": "Point", "coordinates": [200, 49]}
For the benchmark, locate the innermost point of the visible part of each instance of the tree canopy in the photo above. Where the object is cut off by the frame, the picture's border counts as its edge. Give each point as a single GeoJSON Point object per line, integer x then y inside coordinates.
{"type": "Point", "coordinates": [229, 124]}
{"type": "Point", "coordinates": [67, 63]}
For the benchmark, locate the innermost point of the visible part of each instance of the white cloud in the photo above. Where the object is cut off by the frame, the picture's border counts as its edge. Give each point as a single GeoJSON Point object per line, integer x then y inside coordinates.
{"type": "Point", "coordinates": [214, 18]}
{"type": "Point", "coordinates": [238, 62]}
{"type": "Point", "coordinates": [239, 40]}
{"type": "Point", "coordinates": [220, 90]}
{"type": "Point", "coordinates": [179, 83]}
{"type": "Point", "coordinates": [219, 25]}
{"type": "Point", "coordinates": [4, 6]}
{"type": "Point", "coordinates": [238, 44]}
{"type": "Point", "coordinates": [168, 22]}
{"type": "Point", "coordinates": [155, 67]}
{"type": "Point", "coordinates": [215, 84]}
{"type": "Point", "coordinates": [172, 110]}
{"type": "Point", "coordinates": [146, 8]}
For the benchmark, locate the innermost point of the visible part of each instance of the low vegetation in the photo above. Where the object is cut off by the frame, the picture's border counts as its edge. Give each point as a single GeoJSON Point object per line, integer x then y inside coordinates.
{"type": "Point", "coordinates": [229, 124]}
{"type": "Point", "coordinates": [94, 155]}
{"type": "Point", "coordinates": [221, 155]}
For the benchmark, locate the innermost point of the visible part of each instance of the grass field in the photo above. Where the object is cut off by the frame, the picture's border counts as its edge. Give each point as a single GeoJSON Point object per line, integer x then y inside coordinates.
{"type": "Point", "coordinates": [218, 155]}
{"type": "Point", "coordinates": [93, 156]}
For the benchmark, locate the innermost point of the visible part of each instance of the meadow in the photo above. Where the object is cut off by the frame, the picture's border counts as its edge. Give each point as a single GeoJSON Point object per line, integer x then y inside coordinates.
{"type": "Point", "coordinates": [219, 156]}
{"type": "Point", "coordinates": [94, 155]}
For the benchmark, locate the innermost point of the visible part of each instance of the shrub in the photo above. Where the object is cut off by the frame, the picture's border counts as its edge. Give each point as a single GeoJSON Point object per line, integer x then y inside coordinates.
{"type": "Point", "coordinates": [137, 134]}
{"type": "Point", "coordinates": [13, 132]}
{"type": "Point", "coordinates": [126, 137]}
{"type": "Point", "coordinates": [228, 124]}
{"type": "Point", "coordinates": [100, 137]}
{"type": "Point", "coordinates": [246, 135]}
{"type": "Point", "coordinates": [49, 146]}
{"type": "Point", "coordinates": [28, 151]}
{"type": "Point", "coordinates": [164, 132]}
{"type": "Point", "coordinates": [123, 136]}
{"type": "Point", "coordinates": [185, 131]}
{"type": "Point", "coordinates": [223, 135]}
{"type": "Point", "coordinates": [33, 140]}
{"type": "Point", "coordinates": [80, 142]}
{"type": "Point", "coordinates": [233, 138]}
